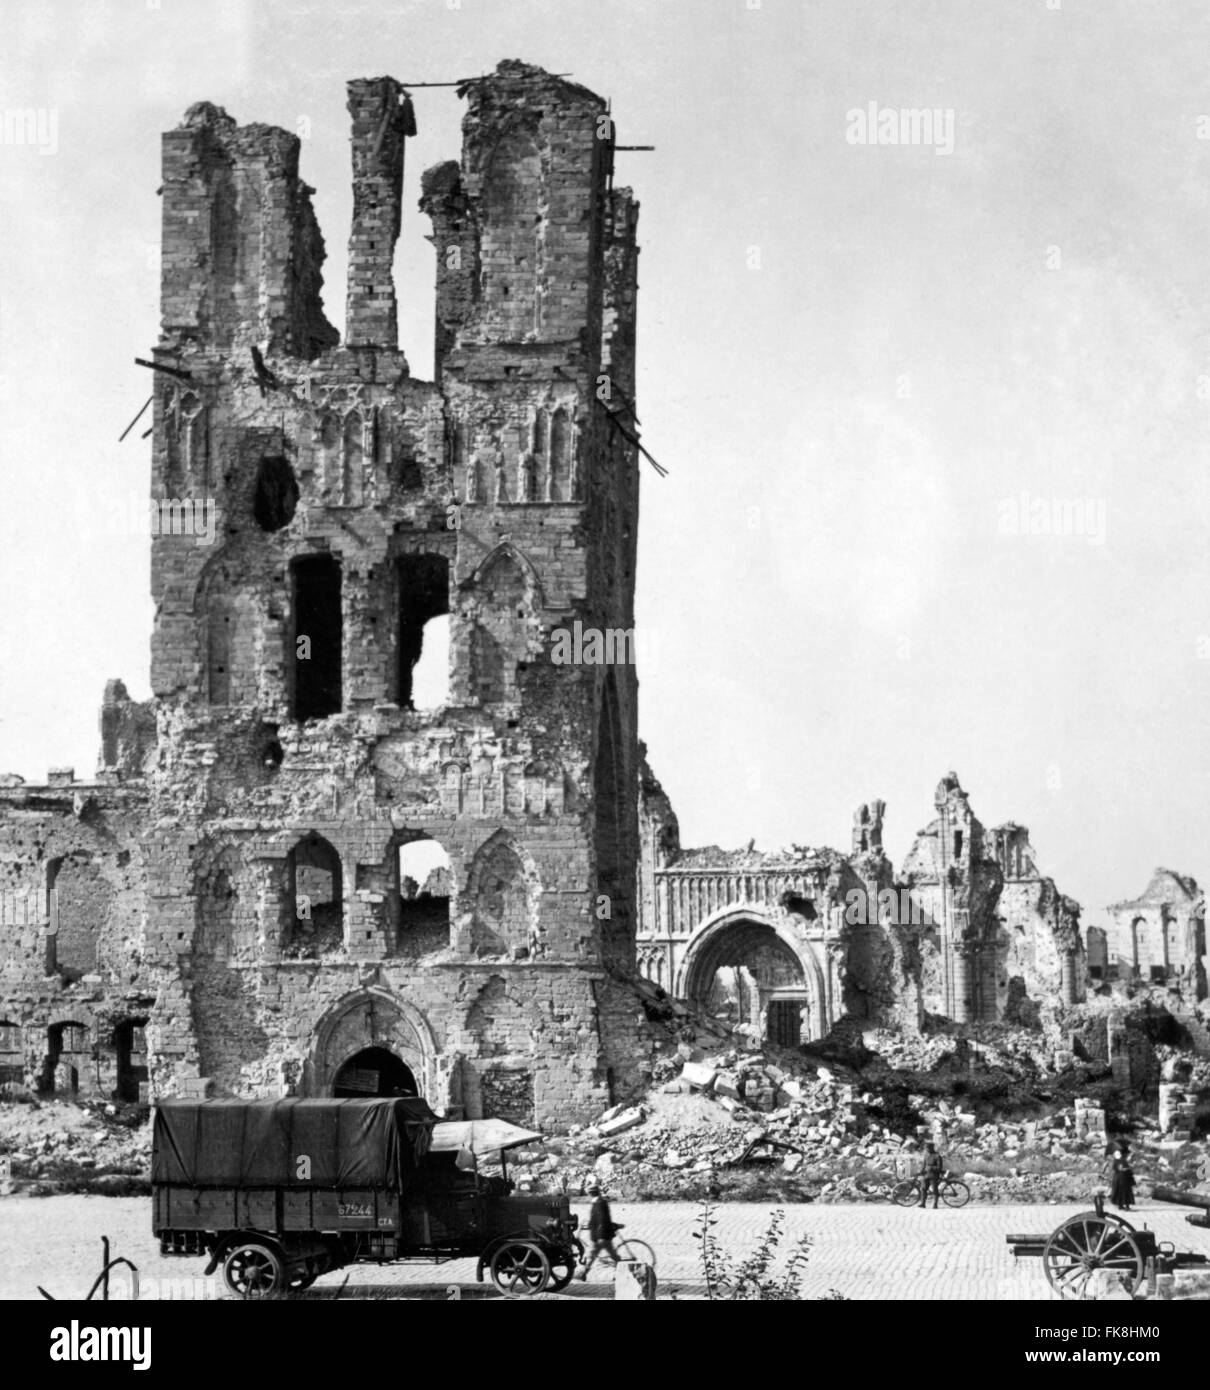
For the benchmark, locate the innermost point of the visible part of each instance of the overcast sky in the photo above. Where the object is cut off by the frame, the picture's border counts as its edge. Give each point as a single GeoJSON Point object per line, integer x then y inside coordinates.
{"type": "Point", "coordinates": [854, 360]}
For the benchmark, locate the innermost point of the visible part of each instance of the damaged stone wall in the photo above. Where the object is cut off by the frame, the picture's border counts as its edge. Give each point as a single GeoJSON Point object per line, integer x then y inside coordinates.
{"type": "Point", "coordinates": [74, 994]}
{"type": "Point", "coordinates": [1159, 939]}
{"type": "Point", "coordinates": [1040, 956]}
{"type": "Point", "coordinates": [262, 797]}
{"type": "Point", "coordinates": [969, 929]}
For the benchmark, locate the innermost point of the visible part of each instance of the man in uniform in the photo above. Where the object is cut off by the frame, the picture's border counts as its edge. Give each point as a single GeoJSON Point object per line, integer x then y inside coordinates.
{"type": "Point", "coordinates": [930, 1177]}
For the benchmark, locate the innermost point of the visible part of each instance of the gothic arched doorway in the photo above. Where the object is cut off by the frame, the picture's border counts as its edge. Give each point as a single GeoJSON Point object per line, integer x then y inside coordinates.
{"type": "Point", "coordinates": [372, 1032]}
{"type": "Point", "coordinates": [374, 1071]}
{"type": "Point", "coordinates": [742, 968]}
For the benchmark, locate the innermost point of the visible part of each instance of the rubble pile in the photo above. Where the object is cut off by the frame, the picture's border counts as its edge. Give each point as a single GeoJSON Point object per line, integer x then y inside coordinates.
{"type": "Point", "coordinates": [1014, 1112]}
{"type": "Point", "coordinates": [686, 1141]}
{"type": "Point", "coordinates": [50, 1147]}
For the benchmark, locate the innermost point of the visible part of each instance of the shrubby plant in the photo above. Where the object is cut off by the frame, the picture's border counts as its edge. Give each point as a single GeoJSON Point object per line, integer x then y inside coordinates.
{"type": "Point", "coordinates": [762, 1276]}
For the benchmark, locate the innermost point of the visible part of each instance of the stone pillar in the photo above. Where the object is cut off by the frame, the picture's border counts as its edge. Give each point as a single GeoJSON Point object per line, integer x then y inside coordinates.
{"type": "Point", "coordinates": [961, 985]}
{"type": "Point", "coordinates": [1067, 985]}
{"type": "Point", "coordinates": [380, 125]}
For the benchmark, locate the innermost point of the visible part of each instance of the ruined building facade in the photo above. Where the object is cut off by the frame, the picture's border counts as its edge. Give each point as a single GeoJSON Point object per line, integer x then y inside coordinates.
{"type": "Point", "coordinates": [1157, 939]}
{"type": "Point", "coordinates": [787, 943]}
{"type": "Point", "coordinates": [225, 908]}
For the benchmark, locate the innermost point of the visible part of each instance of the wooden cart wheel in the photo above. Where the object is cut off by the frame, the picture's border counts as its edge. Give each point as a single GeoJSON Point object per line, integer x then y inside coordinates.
{"type": "Point", "coordinates": [254, 1270]}
{"type": "Point", "coordinates": [1087, 1243]}
{"type": "Point", "coordinates": [520, 1269]}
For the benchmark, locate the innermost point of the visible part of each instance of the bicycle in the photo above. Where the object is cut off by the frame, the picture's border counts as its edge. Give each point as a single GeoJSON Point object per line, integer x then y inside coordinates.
{"type": "Point", "coordinates": [629, 1250]}
{"type": "Point", "coordinates": [632, 1249]}
{"type": "Point", "coordinates": [952, 1191]}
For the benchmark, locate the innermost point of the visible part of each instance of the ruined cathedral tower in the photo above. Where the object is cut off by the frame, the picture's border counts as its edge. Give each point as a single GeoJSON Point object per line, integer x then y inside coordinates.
{"type": "Point", "coordinates": [269, 932]}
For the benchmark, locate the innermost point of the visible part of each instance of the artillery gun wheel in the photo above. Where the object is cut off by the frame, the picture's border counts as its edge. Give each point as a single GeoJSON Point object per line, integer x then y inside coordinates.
{"type": "Point", "coordinates": [520, 1269]}
{"type": "Point", "coordinates": [1087, 1243]}
{"type": "Point", "coordinates": [254, 1269]}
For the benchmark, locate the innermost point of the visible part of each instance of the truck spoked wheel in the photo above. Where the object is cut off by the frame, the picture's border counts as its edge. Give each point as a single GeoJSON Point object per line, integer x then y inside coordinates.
{"type": "Point", "coordinates": [520, 1268]}
{"type": "Point", "coordinates": [562, 1267]}
{"type": "Point", "coordinates": [253, 1270]}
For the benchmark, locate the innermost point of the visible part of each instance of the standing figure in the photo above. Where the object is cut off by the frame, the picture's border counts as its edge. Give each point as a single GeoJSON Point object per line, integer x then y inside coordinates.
{"type": "Point", "coordinates": [1121, 1193]}
{"type": "Point", "coordinates": [601, 1231]}
{"type": "Point", "coordinates": [931, 1175]}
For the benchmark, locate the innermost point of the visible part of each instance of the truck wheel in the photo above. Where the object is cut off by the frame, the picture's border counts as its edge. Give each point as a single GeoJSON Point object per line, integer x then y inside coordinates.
{"type": "Point", "coordinates": [253, 1269]}
{"type": "Point", "coordinates": [562, 1267]}
{"type": "Point", "coordinates": [520, 1269]}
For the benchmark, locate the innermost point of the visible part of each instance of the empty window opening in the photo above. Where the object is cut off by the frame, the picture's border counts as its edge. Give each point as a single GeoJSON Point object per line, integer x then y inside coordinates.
{"type": "Point", "coordinates": [276, 496]}
{"type": "Point", "coordinates": [314, 898]}
{"type": "Point", "coordinates": [424, 642]}
{"type": "Point", "coordinates": [1140, 948]}
{"type": "Point", "coordinates": [130, 1047]}
{"type": "Point", "coordinates": [957, 844]}
{"type": "Point", "coordinates": [12, 1054]}
{"type": "Point", "coordinates": [425, 887]}
{"type": "Point", "coordinates": [67, 1059]}
{"type": "Point", "coordinates": [317, 637]}
{"type": "Point", "coordinates": [269, 752]}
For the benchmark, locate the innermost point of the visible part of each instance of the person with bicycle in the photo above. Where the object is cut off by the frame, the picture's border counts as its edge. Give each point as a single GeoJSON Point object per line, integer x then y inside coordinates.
{"type": "Point", "coordinates": [931, 1175]}
{"type": "Point", "coordinates": [601, 1230]}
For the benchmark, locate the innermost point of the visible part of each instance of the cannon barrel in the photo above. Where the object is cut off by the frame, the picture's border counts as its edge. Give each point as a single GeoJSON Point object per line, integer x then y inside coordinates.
{"type": "Point", "coordinates": [1181, 1198]}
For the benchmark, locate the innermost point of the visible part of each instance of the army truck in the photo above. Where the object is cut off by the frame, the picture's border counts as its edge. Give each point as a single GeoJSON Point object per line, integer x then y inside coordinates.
{"type": "Point", "coordinates": [281, 1192]}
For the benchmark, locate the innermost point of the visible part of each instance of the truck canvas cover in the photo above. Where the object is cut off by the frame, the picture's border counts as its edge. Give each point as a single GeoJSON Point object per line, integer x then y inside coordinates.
{"type": "Point", "coordinates": [345, 1143]}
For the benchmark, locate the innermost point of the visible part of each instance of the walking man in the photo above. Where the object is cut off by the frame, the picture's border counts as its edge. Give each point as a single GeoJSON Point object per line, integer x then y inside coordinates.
{"type": "Point", "coordinates": [601, 1231]}
{"type": "Point", "coordinates": [934, 1171]}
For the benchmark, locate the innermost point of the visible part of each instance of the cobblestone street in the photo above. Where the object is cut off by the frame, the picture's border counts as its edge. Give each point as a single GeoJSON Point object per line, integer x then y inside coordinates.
{"type": "Point", "coordinates": [863, 1252]}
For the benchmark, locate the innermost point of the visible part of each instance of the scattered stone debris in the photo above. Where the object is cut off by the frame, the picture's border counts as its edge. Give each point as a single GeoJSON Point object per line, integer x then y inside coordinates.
{"type": "Point", "coordinates": [1019, 1118]}
{"type": "Point", "coordinates": [54, 1147]}
{"type": "Point", "coordinates": [856, 1109]}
